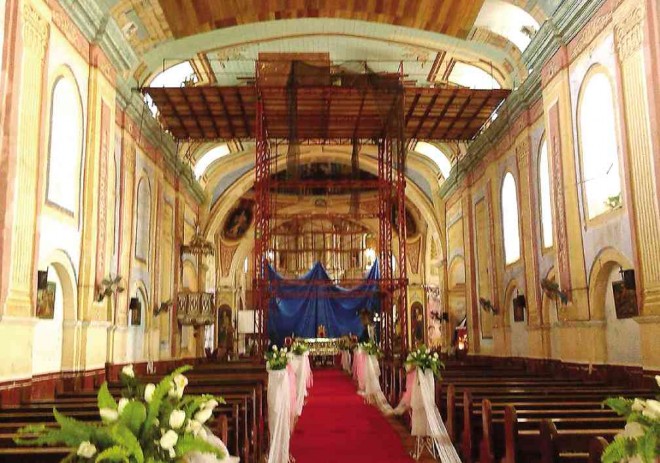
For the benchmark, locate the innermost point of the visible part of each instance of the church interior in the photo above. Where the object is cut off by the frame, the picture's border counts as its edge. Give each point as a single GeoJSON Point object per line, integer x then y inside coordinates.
{"type": "Point", "coordinates": [198, 182]}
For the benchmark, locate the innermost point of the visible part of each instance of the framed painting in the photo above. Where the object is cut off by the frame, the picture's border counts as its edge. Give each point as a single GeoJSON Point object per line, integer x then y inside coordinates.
{"type": "Point", "coordinates": [625, 300]}
{"type": "Point", "coordinates": [46, 301]}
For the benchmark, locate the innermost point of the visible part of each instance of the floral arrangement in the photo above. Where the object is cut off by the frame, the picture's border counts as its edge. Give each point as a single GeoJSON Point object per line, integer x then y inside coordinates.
{"type": "Point", "coordinates": [276, 358]}
{"type": "Point", "coordinates": [149, 424]}
{"type": "Point", "coordinates": [425, 359]}
{"type": "Point", "coordinates": [299, 347]}
{"type": "Point", "coordinates": [370, 347]}
{"type": "Point", "coordinates": [640, 440]}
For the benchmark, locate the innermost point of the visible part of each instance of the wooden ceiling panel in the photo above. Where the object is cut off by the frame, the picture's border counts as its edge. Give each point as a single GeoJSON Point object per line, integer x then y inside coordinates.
{"type": "Point", "coordinates": [450, 17]}
{"type": "Point", "coordinates": [331, 113]}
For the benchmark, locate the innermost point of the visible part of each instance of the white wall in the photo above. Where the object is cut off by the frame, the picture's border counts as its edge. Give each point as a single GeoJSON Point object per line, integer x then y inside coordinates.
{"type": "Point", "coordinates": [47, 344]}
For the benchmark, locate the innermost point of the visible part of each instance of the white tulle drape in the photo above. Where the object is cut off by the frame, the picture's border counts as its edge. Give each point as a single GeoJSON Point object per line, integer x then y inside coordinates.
{"type": "Point", "coordinates": [373, 394]}
{"type": "Point", "coordinates": [197, 457]}
{"type": "Point", "coordinates": [280, 412]}
{"type": "Point", "coordinates": [346, 361]}
{"type": "Point", "coordinates": [304, 379]}
{"type": "Point", "coordinates": [426, 419]}
{"type": "Point", "coordinates": [359, 364]}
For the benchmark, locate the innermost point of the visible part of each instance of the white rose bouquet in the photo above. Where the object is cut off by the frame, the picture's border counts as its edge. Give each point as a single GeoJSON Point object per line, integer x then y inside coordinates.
{"type": "Point", "coordinates": [149, 424]}
{"type": "Point", "coordinates": [640, 440]}
{"type": "Point", "coordinates": [276, 358]}
{"type": "Point", "coordinates": [425, 359]}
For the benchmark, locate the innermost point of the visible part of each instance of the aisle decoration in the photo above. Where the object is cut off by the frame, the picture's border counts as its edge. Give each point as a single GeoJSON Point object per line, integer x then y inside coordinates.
{"type": "Point", "coordinates": [345, 349]}
{"type": "Point", "coordinates": [303, 370]}
{"type": "Point", "coordinates": [281, 403]}
{"type": "Point", "coordinates": [373, 394]}
{"type": "Point", "coordinates": [150, 423]}
{"type": "Point", "coordinates": [423, 367]}
{"type": "Point", "coordinates": [640, 440]}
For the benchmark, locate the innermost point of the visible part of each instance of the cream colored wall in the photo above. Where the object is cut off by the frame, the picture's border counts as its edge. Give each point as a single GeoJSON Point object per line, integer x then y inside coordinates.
{"type": "Point", "coordinates": [85, 334]}
{"type": "Point", "coordinates": [595, 248]}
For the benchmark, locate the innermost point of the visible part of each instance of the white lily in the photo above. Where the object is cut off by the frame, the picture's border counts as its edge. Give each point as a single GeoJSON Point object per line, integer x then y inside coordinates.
{"type": "Point", "coordinates": [652, 409]}
{"type": "Point", "coordinates": [128, 371]}
{"type": "Point", "coordinates": [203, 415]}
{"type": "Point", "coordinates": [149, 392]}
{"type": "Point", "coordinates": [122, 405]}
{"type": "Point", "coordinates": [169, 440]}
{"type": "Point", "coordinates": [109, 415]}
{"type": "Point", "coordinates": [86, 449]}
{"type": "Point", "coordinates": [177, 417]}
{"type": "Point", "coordinates": [212, 403]}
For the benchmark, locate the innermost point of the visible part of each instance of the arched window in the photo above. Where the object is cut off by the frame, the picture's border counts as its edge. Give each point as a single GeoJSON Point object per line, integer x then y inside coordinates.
{"type": "Point", "coordinates": [209, 158]}
{"type": "Point", "coordinates": [436, 155]}
{"type": "Point", "coordinates": [66, 144]}
{"type": "Point", "coordinates": [544, 196]}
{"type": "Point", "coordinates": [510, 226]}
{"type": "Point", "coordinates": [143, 218]}
{"type": "Point", "coordinates": [598, 143]}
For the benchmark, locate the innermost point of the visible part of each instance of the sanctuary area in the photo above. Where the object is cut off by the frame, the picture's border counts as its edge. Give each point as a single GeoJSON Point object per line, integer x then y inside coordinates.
{"type": "Point", "coordinates": [329, 230]}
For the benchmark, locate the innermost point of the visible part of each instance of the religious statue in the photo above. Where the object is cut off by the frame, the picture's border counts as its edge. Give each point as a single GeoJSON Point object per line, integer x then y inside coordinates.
{"type": "Point", "coordinates": [320, 331]}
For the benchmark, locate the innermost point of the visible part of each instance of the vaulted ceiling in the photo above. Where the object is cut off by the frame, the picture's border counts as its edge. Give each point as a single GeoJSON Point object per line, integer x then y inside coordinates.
{"type": "Point", "coordinates": [450, 17]}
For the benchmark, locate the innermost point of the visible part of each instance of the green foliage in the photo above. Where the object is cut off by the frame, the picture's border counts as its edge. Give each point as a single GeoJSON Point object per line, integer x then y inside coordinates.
{"type": "Point", "coordinates": [132, 429]}
{"type": "Point", "coordinates": [425, 359]}
{"type": "Point", "coordinates": [114, 454]}
{"type": "Point", "coordinates": [104, 398]}
{"type": "Point", "coordinates": [370, 348]}
{"type": "Point", "coordinates": [299, 347]}
{"type": "Point", "coordinates": [133, 416]}
{"type": "Point", "coordinates": [188, 443]}
{"type": "Point", "coordinates": [640, 437]}
{"type": "Point", "coordinates": [125, 438]}
{"type": "Point", "coordinates": [276, 358]}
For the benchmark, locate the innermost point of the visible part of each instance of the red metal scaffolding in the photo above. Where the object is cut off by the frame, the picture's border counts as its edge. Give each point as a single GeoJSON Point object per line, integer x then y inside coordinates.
{"type": "Point", "coordinates": [295, 101]}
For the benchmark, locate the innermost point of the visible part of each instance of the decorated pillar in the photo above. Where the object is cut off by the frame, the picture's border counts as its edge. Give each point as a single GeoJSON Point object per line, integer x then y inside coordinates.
{"type": "Point", "coordinates": [528, 218]}
{"type": "Point", "coordinates": [22, 282]}
{"type": "Point", "coordinates": [629, 36]}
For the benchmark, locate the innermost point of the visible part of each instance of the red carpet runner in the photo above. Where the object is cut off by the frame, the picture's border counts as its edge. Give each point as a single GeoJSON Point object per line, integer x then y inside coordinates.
{"type": "Point", "coordinates": [337, 426]}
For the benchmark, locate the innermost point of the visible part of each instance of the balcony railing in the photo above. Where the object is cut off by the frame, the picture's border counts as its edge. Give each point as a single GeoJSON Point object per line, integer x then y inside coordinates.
{"type": "Point", "coordinates": [195, 308]}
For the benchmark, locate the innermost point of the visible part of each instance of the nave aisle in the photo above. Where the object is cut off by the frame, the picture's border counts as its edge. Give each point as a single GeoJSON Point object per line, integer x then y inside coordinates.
{"type": "Point", "coordinates": [338, 427]}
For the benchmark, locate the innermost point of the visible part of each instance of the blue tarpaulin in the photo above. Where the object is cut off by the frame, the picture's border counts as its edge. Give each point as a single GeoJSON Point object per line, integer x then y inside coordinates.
{"type": "Point", "coordinates": [299, 307]}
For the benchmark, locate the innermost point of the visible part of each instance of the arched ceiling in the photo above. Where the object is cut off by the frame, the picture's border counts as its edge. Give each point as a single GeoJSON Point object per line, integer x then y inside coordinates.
{"type": "Point", "coordinates": [223, 38]}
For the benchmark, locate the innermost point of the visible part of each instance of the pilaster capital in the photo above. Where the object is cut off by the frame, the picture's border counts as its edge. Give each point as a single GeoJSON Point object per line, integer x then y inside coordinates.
{"type": "Point", "coordinates": [35, 30]}
{"type": "Point", "coordinates": [629, 28]}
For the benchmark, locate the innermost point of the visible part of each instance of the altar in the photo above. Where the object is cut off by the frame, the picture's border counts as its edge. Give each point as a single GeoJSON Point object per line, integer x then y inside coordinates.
{"type": "Point", "coordinates": [322, 351]}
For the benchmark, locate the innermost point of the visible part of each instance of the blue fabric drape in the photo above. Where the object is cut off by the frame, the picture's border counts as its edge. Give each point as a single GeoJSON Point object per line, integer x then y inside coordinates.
{"type": "Point", "coordinates": [301, 306]}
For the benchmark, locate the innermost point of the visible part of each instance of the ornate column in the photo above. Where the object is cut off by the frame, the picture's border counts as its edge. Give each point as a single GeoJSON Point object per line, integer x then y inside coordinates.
{"type": "Point", "coordinates": [629, 32]}
{"type": "Point", "coordinates": [35, 33]}
{"type": "Point", "coordinates": [528, 218]}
